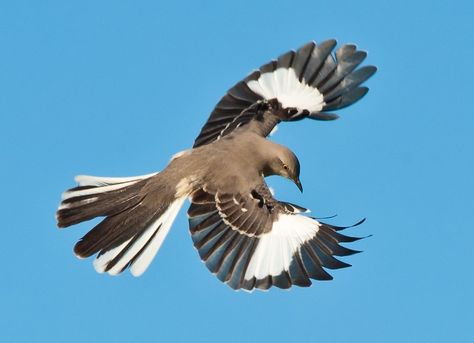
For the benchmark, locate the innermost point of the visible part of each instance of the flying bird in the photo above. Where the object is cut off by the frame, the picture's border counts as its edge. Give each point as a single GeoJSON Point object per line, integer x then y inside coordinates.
{"type": "Point", "coordinates": [245, 236]}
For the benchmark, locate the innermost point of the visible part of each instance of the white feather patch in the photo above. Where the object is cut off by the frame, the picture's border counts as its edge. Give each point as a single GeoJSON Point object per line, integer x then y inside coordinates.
{"type": "Point", "coordinates": [100, 263]}
{"type": "Point", "coordinates": [144, 260]}
{"type": "Point", "coordinates": [135, 248]}
{"type": "Point", "coordinates": [64, 206]}
{"type": "Point", "coordinates": [96, 190]}
{"type": "Point", "coordinates": [284, 85]}
{"type": "Point", "coordinates": [87, 180]}
{"type": "Point", "coordinates": [275, 250]}
{"type": "Point", "coordinates": [140, 265]}
{"type": "Point", "coordinates": [102, 184]}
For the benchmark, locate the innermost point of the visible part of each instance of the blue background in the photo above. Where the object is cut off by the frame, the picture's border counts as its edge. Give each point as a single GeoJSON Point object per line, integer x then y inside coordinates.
{"type": "Point", "coordinates": [115, 88]}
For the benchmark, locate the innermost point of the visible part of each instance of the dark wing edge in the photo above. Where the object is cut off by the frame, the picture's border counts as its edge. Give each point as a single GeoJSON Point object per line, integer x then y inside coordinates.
{"type": "Point", "coordinates": [309, 82]}
{"type": "Point", "coordinates": [281, 250]}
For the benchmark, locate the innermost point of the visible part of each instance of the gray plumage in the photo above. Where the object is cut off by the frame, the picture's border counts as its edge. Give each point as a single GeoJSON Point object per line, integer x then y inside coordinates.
{"type": "Point", "coordinates": [245, 236]}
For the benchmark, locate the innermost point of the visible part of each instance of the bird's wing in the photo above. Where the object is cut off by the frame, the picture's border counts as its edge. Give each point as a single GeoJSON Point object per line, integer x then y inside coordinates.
{"type": "Point", "coordinates": [254, 241]}
{"type": "Point", "coordinates": [307, 83]}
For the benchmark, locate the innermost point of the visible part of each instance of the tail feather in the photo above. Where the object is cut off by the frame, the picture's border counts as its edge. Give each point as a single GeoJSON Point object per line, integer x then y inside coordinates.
{"type": "Point", "coordinates": [114, 230]}
{"type": "Point", "coordinates": [135, 226]}
{"type": "Point", "coordinates": [87, 180]}
{"type": "Point", "coordinates": [97, 196]}
{"type": "Point", "coordinates": [142, 260]}
{"type": "Point", "coordinates": [138, 251]}
{"type": "Point", "coordinates": [122, 256]}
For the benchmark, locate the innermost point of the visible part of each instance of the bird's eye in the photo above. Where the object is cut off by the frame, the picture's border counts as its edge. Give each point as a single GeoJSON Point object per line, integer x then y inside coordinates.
{"type": "Point", "coordinates": [285, 167]}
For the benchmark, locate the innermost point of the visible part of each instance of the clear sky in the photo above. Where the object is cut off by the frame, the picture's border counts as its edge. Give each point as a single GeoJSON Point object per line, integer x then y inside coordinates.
{"type": "Point", "coordinates": [114, 88]}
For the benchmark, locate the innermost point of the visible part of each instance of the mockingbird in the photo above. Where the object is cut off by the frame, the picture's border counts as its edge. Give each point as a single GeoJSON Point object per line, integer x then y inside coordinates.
{"type": "Point", "coordinates": [246, 237]}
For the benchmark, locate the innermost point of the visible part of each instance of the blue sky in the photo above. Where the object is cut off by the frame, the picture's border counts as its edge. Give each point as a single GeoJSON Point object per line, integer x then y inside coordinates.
{"type": "Point", "coordinates": [115, 88]}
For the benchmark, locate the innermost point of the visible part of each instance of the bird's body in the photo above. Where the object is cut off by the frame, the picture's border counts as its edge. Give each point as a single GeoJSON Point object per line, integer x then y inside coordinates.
{"type": "Point", "coordinates": [222, 167]}
{"type": "Point", "coordinates": [245, 236]}
{"type": "Point", "coordinates": [239, 170]}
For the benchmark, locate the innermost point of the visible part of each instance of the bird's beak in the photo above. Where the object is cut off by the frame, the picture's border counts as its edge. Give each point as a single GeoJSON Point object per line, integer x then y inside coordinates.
{"type": "Point", "coordinates": [298, 184]}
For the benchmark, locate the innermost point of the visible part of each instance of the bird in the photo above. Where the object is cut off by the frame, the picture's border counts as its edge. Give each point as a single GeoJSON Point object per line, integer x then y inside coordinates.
{"type": "Point", "coordinates": [245, 236]}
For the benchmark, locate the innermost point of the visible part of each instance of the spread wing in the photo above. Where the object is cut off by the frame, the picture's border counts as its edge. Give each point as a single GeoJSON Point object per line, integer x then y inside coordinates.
{"type": "Point", "coordinates": [309, 82]}
{"type": "Point", "coordinates": [254, 241]}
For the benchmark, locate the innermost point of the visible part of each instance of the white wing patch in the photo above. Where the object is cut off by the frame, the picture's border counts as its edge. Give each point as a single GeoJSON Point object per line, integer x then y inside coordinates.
{"type": "Point", "coordinates": [275, 250]}
{"type": "Point", "coordinates": [284, 85]}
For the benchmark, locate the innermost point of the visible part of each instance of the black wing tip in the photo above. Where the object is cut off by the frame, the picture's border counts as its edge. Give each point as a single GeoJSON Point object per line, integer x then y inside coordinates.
{"type": "Point", "coordinates": [340, 228]}
{"type": "Point", "coordinates": [253, 75]}
{"type": "Point", "coordinates": [350, 252]}
{"type": "Point", "coordinates": [311, 43]}
{"type": "Point", "coordinates": [328, 42]}
{"type": "Point", "coordinates": [373, 69]}
{"type": "Point", "coordinates": [346, 265]}
{"type": "Point", "coordinates": [323, 116]}
{"type": "Point", "coordinates": [333, 42]}
{"type": "Point", "coordinates": [359, 222]}
{"type": "Point", "coordinates": [366, 72]}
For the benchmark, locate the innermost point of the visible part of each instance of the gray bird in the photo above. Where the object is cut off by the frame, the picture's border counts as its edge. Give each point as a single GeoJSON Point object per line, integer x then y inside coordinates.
{"type": "Point", "coordinates": [246, 237]}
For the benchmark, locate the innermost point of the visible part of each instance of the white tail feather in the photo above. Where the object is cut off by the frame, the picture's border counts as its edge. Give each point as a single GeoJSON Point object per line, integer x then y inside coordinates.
{"type": "Point", "coordinates": [76, 204]}
{"type": "Point", "coordinates": [103, 184]}
{"type": "Point", "coordinates": [71, 194]}
{"type": "Point", "coordinates": [100, 263]}
{"type": "Point", "coordinates": [87, 180]}
{"type": "Point", "coordinates": [139, 266]}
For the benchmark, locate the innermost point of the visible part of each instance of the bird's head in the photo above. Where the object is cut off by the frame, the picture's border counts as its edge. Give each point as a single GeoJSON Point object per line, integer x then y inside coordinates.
{"type": "Point", "coordinates": [284, 163]}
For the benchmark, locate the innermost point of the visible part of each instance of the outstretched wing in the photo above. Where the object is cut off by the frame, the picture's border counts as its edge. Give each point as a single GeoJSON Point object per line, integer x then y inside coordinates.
{"type": "Point", "coordinates": [253, 241]}
{"type": "Point", "coordinates": [309, 82]}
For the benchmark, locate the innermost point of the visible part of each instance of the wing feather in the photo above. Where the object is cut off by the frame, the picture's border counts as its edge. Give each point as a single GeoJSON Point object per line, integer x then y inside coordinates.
{"type": "Point", "coordinates": [307, 82]}
{"type": "Point", "coordinates": [273, 245]}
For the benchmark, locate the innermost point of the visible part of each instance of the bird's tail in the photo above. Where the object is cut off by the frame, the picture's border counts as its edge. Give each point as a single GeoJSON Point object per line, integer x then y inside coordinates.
{"type": "Point", "coordinates": [135, 224]}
